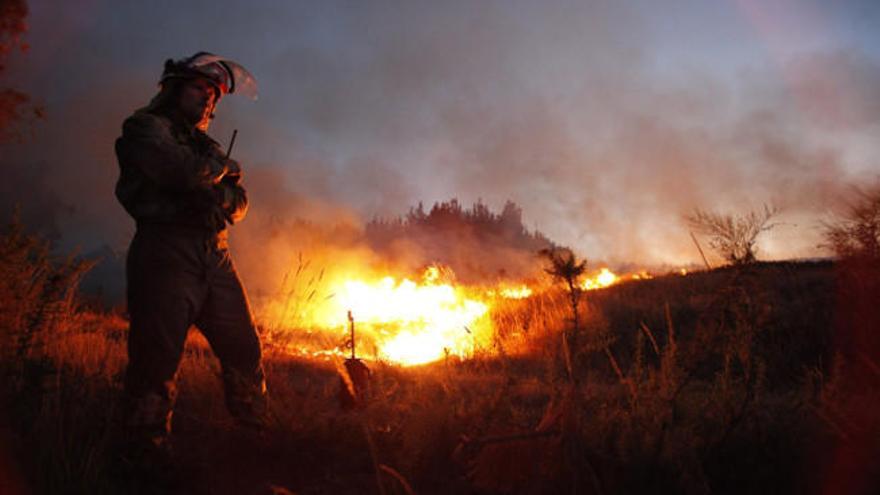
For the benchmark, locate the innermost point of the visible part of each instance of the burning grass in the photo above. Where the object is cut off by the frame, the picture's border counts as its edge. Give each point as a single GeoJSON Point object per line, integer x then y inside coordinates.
{"type": "Point", "coordinates": [723, 381]}
{"type": "Point", "coordinates": [402, 320]}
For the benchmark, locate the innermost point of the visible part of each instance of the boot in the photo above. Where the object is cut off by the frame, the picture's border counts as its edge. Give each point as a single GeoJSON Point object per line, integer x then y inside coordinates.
{"type": "Point", "coordinates": [147, 431]}
{"type": "Point", "coordinates": [247, 399]}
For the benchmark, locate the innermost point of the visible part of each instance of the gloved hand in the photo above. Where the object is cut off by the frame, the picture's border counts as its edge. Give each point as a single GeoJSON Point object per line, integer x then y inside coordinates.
{"type": "Point", "coordinates": [233, 171]}
{"type": "Point", "coordinates": [231, 199]}
{"type": "Point", "coordinates": [217, 169]}
{"type": "Point", "coordinates": [224, 169]}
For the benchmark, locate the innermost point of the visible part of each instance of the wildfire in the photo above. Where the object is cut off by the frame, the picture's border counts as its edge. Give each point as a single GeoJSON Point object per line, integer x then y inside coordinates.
{"type": "Point", "coordinates": [400, 319]}
{"type": "Point", "coordinates": [603, 279]}
{"type": "Point", "coordinates": [407, 322]}
{"type": "Point", "coordinates": [520, 292]}
{"type": "Point", "coordinates": [430, 319]}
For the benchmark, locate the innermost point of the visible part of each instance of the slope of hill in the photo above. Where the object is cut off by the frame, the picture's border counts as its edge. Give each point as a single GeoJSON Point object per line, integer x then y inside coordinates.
{"type": "Point", "coordinates": [724, 382]}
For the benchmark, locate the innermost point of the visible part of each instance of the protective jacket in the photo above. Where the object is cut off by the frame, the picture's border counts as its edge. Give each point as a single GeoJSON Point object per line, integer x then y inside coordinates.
{"type": "Point", "coordinates": [182, 191]}
{"type": "Point", "coordinates": [170, 174]}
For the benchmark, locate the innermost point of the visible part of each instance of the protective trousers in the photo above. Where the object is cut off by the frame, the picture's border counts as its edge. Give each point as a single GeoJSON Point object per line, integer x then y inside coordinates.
{"type": "Point", "coordinates": [178, 277]}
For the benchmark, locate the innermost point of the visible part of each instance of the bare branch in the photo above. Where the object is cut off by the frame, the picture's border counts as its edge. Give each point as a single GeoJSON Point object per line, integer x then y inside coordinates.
{"type": "Point", "coordinates": [856, 233]}
{"type": "Point", "coordinates": [733, 237]}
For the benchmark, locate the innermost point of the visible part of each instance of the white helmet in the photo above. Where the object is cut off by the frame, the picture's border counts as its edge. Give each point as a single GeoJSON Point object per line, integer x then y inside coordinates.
{"type": "Point", "coordinates": [227, 76]}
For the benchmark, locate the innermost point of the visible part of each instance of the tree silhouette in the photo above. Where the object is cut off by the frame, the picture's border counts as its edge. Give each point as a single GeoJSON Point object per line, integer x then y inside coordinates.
{"type": "Point", "coordinates": [856, 234]}
{"type": "Point", "coordinates": [474, 241]}
{"type": "Point", "coordinates": [565, 267]}
{"type": "Point", "coordinates": [733, 237]}
{"type": "Point", "coordinates": [15, 105]}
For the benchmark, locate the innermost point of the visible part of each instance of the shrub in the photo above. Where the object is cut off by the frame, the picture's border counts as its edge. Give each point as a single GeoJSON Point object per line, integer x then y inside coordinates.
{"type": "Point", "coordinates": [733, 237]}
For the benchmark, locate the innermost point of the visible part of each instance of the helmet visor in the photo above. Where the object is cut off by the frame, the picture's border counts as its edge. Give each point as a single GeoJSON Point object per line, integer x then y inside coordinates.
{"type": "Point", "coordinates": [229, 75]}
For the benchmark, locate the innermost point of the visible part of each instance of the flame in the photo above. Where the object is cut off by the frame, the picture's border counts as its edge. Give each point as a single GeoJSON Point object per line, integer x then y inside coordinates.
{"type": "Point", "coordinates": [520, 292]}
{"type": "Point", "coordinates": [405, 321]}
{"type": "Point", "coordinates": [603, 279]}
{"type": "Point", "coordinates": [432, 319]}
{"type": "Point", "coordinates": [432, 274]}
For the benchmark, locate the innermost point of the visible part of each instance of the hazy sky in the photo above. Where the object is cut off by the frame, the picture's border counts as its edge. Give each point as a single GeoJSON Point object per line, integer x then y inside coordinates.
{"type": "Point", "coordinates": [605, 121]}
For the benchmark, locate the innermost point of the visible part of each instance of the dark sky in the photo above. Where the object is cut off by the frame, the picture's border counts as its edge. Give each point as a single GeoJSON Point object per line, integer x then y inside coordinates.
{"type": "Point", "coordinates": [605, 121]}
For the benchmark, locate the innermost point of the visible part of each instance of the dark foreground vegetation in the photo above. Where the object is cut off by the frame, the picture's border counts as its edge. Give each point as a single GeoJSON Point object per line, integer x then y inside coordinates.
{"type": "Point", "coordinates": [754, 379]}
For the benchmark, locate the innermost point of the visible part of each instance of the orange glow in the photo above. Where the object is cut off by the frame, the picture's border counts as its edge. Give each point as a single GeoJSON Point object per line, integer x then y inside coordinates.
{"type": "Point", "coordinates": [401, 320]}
{"type": "Point", "coordinates": [431, 319]}
{"type": "Point", "coordinates": [406, 321]}
{"type": "Point", "coordinates": [603, 279]}
{"type": "Point", "coordinates": [520, 292]}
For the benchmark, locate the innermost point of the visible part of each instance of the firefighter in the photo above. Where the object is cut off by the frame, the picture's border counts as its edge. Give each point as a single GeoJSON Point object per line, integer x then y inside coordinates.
{"type": "Point", "coordinates": [183, 191]}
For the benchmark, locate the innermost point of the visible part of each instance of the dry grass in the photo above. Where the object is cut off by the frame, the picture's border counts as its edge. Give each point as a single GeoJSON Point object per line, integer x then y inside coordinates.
{"type": "Point", "coordinates": [719, 382]}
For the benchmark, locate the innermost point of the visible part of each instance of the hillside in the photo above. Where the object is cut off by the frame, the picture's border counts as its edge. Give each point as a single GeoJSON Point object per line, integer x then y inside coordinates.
{"type": "Point", "coordinates": [724, 381]}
